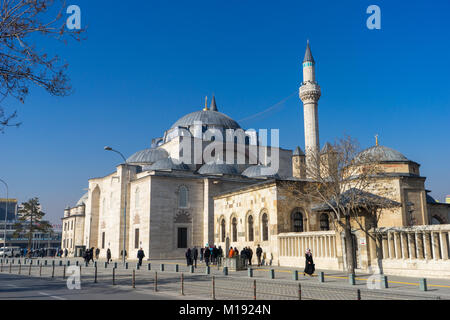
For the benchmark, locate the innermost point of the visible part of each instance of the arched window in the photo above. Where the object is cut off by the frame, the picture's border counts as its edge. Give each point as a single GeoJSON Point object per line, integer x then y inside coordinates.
{"type": "Point", "coordinates": [436, 220]}
{"type": "Point", "coordinates": [234, 230]}
{"type": "Point", "coordinates": [324, 222]}
{"type": "Point", "coordinates": [136, 198]}
{"type": "Point", "coordinates": [222, 231]}
{"type": "Point", "coordinates": [250, 228]}
{"type": "Point", "coordinates": [182, 197]}
{"type": "Point", "coordinates": [297, 221]}
{"type": "Point", "coordinates": [265, 227]}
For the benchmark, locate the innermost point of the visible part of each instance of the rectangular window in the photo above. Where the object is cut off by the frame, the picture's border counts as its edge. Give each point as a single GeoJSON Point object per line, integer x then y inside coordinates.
{"type": "Point", "coordinates": [182, 238]}
{"type": "Point", "coordinates": [136, 238]}
{"type": "Point", "coordinates": [103, 240]}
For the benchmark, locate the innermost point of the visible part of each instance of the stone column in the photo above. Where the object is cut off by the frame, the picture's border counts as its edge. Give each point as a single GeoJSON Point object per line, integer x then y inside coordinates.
{"type": "Point", "coordinates": [405, 253]}
{"type": "Point", "coordinates": [412, 246]}
{"type": "Point", "coordinates": [428, 254]}
{"type": "Point", "coordinates": [385, 247]}
{"type": "Point", "coordinates": [420, 246]}
{"type": "Point", "coordinates": [398, 252]}
{"type": "Point", "coordinates": [391, 245]}
{"type": "Point", "coordinates": [444, 237]}
{"type": "Point", "coordinates": [436, 248]}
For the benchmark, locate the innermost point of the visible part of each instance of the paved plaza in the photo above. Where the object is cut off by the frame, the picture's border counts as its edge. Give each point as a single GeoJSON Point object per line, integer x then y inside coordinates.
{"type": "Point", "coordinates": [172, 279]}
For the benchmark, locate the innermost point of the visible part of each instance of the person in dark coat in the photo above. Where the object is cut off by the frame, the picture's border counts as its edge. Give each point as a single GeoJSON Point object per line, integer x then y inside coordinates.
{"type": "Point", "coordinates": [207, 255]}
{"type": "Point", "coordinates": [214, 255]}
{"type": "Point", "coordinates": [188, 256]}
{"type": "Point", "coordinates": [250, 255]}
{"type": "Point", "coordinates": [91, 254]}
{"type": "Point", "coordinates": [140, 256]}
{"type": "Point", "coordinates": [258, 255]}
{"type": "Point", "coordinates": [108, 255]}
{"type": "Point", "coordinates": [97, 253]}
{"type": "Point", "coordinates": [195, 255]}
{"type": "Point", "coordinates": [309, 263]}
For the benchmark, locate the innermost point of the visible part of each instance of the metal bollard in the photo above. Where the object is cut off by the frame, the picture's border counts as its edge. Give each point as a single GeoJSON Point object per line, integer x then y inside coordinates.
{"type": "Point", "coordinates": [384, 282]}
{"type": "Point", "coordinates": [31, 262]}
{"type": "Point", "coordinates": [192, 269]}
{"type": "Point", "coordinates": [64, 272]}
{"type": "Point", "coordinates": [213, 289]}
{"type": "Point", "coordinates": [182, 284]}
{"type": "Point", "coordinates": [20, 267]}
{"type": "Point", "coordinates": [1, 267]}
{"type": "Point", "coordinates": [126, 265]}
{"type": "Point", "coordinates": [95, 264]}
{"type": "Point", "coordinates": [76, 263]}
{"type": "Point", "coordinates": [176, 268]}
{"type": "Point", "coordinates": [295, 275]}
{"type": "Point", "coordinates": [10, 265]}
{"type": "Point", "coordinates": [53, 270]}
{"type": "Point", "coordinates": [133, 279]}
{"type": "Point", "coordinates": [156, 281]}
{"type": "Point", "coordinates": [321, 277]}
{"type": "Point", "coordinates": [272, 274]}
{"type": "Point", "coordinates": [351, 279]}
{"type": "Point", "coordinates": [250, 272]}
{"type": "Point", "coordinates": [106, 265]}
{"type": "Point", "coordinates": [115, 265]}
{"type": "Point", "coordinates": [53, 262]}
{"type": "Point", "coordinates": [162, 267]}
{"type": "Point", "coordinates": [225, 271]}
{"type": "Point", "coordinates": [60, 263]}
{"type": "Point", "coordinates": [40, 270]}
{"type": "Point", "coordinates": [299, 291]}
{"type": "Point", "coordinates": [207, 270]}
{"type": "Point", "coordinates": [358, 294]}
{"type": "Point", "coordinates": [114, 276]}
{"type": "Point", "coordinates": [68, 263]}
{"type": "Point", "coordinates": [423, 284]}
{"type": "Point", "coordinates": [29, 270]}
{"type": "Point", "coordinates": [149, 267]}
{"type": "Point", "coordinates": [45, 262]}
{"type": "Point", "coordinates": [95, 274]}
{"type": "Point", "coordinates": [254, 289]}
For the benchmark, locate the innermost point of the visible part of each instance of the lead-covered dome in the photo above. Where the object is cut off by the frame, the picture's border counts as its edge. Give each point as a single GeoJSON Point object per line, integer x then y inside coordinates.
{"type": "Point", "coordinates": [218, 168]}
{"type": "Point", "coordinates": [83, 200]}
{"type": "Point", "coordinates": [380, 154]}
{"type": "Point", "coordinates": [207, 117]}
{"type": "Point", "coordinates": [148, 156]}
{"type": "Point", "coordinates": [167, 164]}
{"type": "Point", "coordinates": [260, 171]}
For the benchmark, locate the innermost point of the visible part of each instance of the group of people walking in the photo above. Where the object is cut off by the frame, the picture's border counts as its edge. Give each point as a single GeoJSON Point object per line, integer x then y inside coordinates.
{"type": "Point", "coordinates": [209, 254]}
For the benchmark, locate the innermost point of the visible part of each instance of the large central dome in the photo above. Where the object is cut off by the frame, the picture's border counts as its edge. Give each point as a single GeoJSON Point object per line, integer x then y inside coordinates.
{"type": "Point", "coordinates": [207, 117]}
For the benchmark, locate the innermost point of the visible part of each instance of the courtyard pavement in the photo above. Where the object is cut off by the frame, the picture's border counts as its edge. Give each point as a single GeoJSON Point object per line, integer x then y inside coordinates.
{"type": "Point", "coordinates": [40, 281]}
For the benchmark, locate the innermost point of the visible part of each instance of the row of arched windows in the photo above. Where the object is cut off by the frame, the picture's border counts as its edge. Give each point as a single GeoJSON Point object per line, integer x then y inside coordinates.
{"type": "Point", "coordinates": [296, 223]}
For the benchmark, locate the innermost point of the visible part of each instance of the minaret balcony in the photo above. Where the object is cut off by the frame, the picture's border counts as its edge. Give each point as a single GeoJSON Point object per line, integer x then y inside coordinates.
{"type": "Point", "coordinates": [310, 92]}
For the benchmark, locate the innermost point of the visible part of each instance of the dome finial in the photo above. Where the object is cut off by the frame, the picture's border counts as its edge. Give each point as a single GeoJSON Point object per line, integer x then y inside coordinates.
{"type": "Point", "coordinates": [206, 104]}
{"type": "Point", "coordinates": [376, 139]}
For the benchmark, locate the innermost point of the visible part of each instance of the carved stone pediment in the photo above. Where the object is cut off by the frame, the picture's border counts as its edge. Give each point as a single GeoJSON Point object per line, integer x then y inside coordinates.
{"type": "Point", "coordinates": [182, 216]}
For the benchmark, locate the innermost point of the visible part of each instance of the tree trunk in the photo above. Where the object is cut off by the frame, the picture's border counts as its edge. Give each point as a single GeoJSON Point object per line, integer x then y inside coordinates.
{"type": "Point", "coordinates": [349, 246]}
{"type": "Point", "coordinates": [379, 252]}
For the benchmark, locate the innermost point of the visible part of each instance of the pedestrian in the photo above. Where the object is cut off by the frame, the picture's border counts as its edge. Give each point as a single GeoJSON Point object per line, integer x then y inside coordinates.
{"type": "Point", "coordinates": [258, 254]}
{"type": "Point", "coordinates": [214, 255]}
{"type": "Point", "coordinates": [91, 254]}
{"type": "Point", "coordinates": [140, 256]}
{"type": "Point", "coordinates": [219, 255]}
{"type": "Point", "coordinates": [207, 255]}
{"type": "Point", "coordinates": [195, 255]}
{"type": "Point", "coordinates": [235, 252]}
{"type": "Point", "coordinates": [121, 254]}
{"type": "Point", "coordinates": [188, 256]}
{"type": "Point", "coordinates": [108, 255]}
{"type": "Point", "coordinates": [201, 254]}
{"type": "Point", "coordinates": [97, 253]}
{"type": "Point", "coordinates": [230, 252]}
{"type": "Point", "coordinates": [309, 263]}
{"type": "Point", "coordinates": [263, 262]}
{"type": "Point", "coordinates": [65, 252]}
{"type": "Point", "coordinates": [244, 255]}
{"type": "Point", "coordinates": [250, 255]}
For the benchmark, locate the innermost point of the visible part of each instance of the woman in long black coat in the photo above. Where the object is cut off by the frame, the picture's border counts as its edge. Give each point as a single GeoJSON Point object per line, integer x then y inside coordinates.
{"type": "Point", "coordinates": [188, 257]}
{"type": "Point", "coordinates": [309, 263]}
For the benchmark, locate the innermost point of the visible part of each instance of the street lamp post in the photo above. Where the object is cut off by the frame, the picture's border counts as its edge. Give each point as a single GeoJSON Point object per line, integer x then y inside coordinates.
{"type": "Point", "coordinates": [125, 204]}
{"type": "Point", "coordinates": [6, 212]}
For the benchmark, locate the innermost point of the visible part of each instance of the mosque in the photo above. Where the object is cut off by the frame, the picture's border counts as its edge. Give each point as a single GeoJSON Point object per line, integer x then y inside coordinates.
{"type": "Point", "coordinates": [174, 199]}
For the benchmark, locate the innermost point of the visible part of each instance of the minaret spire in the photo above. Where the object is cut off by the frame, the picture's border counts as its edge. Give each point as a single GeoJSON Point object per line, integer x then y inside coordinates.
{"type": "Point", "coordinates": [310, 93]}
{"type": "Point", "coordinates": [213, 106]}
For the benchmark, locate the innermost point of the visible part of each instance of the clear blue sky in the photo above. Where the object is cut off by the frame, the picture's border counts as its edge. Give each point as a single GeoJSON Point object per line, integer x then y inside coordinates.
{"type": "Point", "coordinates": [147, 63]}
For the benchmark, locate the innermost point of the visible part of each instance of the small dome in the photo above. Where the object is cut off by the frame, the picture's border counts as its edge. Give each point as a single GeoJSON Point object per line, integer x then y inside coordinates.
{"type": "Point", "coordinates": [380, 153]}
{"type": "Point", "coordinates": [260, 171]}
{"type": "Point", "coordinates": [148, 156]}
{"type": "Point", "coordinates": [167, 164]}
{"type": "Point", "coordinates": [207, 117]}
{"type": "Point", "coordinates": [216, 168]}
{"type": "Point", "coordinates": [298, 152]}
{"type": "Point", "coordinates": [83, 199]}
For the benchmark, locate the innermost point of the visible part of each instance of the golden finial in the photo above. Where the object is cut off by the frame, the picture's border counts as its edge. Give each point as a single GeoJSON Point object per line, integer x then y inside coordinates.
{"type": "Point", "coordinates": [376, 140]}
{"type": "Point", "coordinates": [206, 104]}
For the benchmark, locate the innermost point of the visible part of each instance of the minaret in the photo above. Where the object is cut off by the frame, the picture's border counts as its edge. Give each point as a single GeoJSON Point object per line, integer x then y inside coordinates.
{"type": "Point", "coordinates": [310, 95]}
